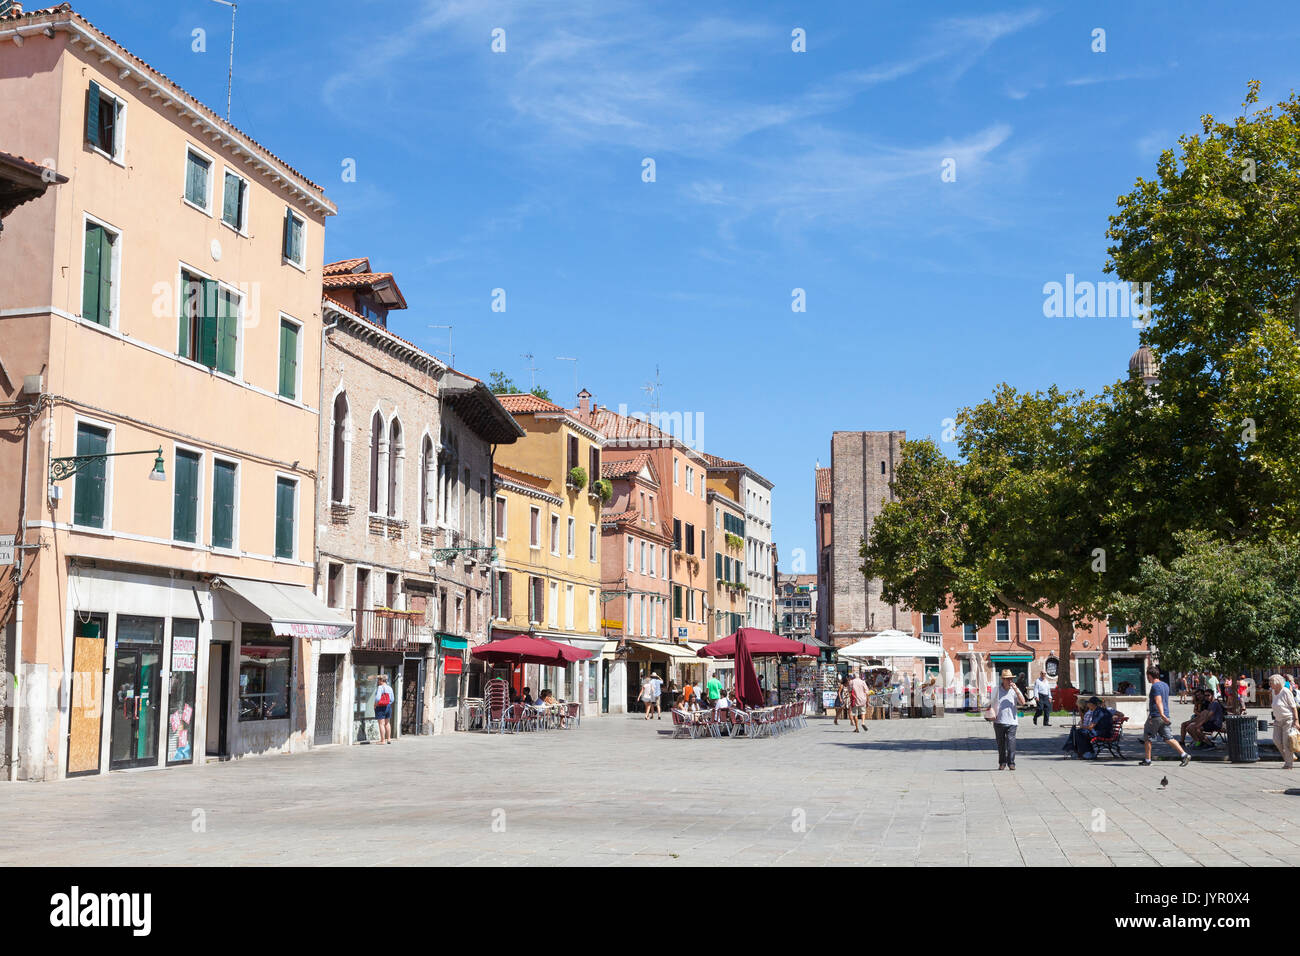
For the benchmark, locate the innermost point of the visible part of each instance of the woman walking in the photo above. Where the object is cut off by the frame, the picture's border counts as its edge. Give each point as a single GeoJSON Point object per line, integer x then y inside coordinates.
{"type": "Point", "coordinates": [842, 699]}
{"type": "Point", "coordinates": [384, 709]}
{"type": "Point", "coordinates": [1006, 720]}
{"type": "Point", "coordinates": [1285, 719]}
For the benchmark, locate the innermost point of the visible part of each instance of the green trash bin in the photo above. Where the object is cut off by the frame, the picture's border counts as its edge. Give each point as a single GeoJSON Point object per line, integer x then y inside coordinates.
{"type": "Point", "coordinates": [1242, 732]}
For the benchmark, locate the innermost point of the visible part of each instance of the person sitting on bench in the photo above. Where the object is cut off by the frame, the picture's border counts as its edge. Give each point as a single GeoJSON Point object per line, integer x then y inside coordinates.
{"type": "Point", "coordinates": [1208, 720]}
{"type": "Point", "coordinates": [1097, 722]}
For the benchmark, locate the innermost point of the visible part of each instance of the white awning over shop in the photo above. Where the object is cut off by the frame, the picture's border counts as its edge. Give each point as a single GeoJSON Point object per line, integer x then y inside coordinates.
{"type": "Point", "coordinates": [673, 651]}
{"type": "Point", "coordinates": [291, 610]}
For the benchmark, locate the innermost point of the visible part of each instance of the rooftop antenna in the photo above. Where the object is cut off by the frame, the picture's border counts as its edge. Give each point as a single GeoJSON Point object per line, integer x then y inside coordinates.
{"type": "Point", "coordinates": [230, 76]}
{"type": "Point", "coordinates": [532, 371]}
{"type": "Point", "coordinates": [449, 353]}
{"type": "Point", "coordinates": [652, 389]}
{"type": "Point", "coordinates": [565, 358]}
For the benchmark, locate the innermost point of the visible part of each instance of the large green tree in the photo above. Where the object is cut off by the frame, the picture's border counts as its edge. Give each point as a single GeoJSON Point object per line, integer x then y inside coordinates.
{"type": "Point", "coordinates": [1227, 605]}
{"type": "Point", "coordinates": [1216, 234]}
{"type": "Point", "coordinates": [1013, 525]}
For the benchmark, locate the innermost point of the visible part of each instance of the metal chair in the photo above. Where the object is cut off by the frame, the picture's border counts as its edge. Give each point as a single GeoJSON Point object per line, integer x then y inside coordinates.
{"type": "Point", "coordinates": [496, 702]}
{"type": "Point", "coordinates": [683, 726]}
{"type": "Point", "coordinates": [515, 718]}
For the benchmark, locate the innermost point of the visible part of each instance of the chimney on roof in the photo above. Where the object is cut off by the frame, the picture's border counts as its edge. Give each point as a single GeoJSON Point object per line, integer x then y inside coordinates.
{"type": "Point", "coordinates": [584, 405]}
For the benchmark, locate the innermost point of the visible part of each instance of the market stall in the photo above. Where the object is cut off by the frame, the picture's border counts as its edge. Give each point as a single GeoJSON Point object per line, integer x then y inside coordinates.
{"type": "Point", "coordinates": [911, 690]}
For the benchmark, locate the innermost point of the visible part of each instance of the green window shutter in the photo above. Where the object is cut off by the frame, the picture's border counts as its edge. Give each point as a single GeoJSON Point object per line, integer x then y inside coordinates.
{"type": "Point", "coordinates": [188, 287]}
{"type": "Point", "coordinates": [185, 497]}
{"type": "Point", "coordinates": [105, 317]}
{"type": "Point", "coordinates": [207, 343]}
{"type": "Point", "coordinates": [195, 180]}
{"type": "Point", "coordinates": [227, 332]}
{"type": "Point", "coordinates": [92, 115]}
{"type": "Point", "coordinates": [284, 523]}
{"type": "Point", "coordinates": [288, 359]}
{"type": "Point", "coordinates": [223, 504]}
{"type": "Point", "coordinates": [230, 204]}
{"type": "Point", "coordinates": [90, 481]}
{"type": "Point", "coordinates": [288, 234]}
{"type": "Point", "coordinates": [91, 280]}
{"type": "Point", "coordinates": [677, 601]}
{"type": "Point", "coordinates": [717, 564]}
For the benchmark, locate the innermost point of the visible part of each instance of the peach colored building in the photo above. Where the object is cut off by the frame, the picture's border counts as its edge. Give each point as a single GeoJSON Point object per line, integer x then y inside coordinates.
{"type": "Point", "coordinates": [164, 303]}
{"type": "Point", "coordinates": [548, 518]}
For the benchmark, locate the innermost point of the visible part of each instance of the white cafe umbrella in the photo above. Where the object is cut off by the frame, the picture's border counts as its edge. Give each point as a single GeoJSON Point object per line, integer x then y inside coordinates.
{"type": "Point", "coordinates": [948, 680]}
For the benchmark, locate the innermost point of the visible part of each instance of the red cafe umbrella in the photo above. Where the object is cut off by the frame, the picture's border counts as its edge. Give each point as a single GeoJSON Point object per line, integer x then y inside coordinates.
{"type": "Point", "coordinates": [747, 689]}
{"type": "Point", "coordinates": [523, 649]}
{"type": "Point", "coordinates": [759, 643]}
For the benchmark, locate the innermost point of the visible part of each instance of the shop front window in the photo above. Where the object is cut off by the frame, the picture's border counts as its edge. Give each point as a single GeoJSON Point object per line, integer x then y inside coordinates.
{"type": "Point", "coordinates": [180, 693]}
{"type": "Point", "coordinates": [364, 725]}
{"type": "Point", "coordinates": [591, 682]}
{"type": "Point", "coordinates": [265, 663]}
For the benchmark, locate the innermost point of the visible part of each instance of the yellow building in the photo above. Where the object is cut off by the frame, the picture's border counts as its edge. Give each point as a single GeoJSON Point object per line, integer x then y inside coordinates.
{"type": "Point", "coordinates": [160, 332]}
{"type": "Point", "coordinates": [547, 528]}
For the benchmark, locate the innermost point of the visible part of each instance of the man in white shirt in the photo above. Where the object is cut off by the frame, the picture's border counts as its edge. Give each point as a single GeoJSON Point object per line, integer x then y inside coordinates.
{"type": "Point", "coordinates": [1043, 697]}
{"type": "Point", "coordinates": [656, 688]}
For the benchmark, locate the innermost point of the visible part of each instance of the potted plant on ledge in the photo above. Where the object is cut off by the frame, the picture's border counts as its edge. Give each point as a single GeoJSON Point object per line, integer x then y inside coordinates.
{"type": "Point", "coordinates": [577, 479]}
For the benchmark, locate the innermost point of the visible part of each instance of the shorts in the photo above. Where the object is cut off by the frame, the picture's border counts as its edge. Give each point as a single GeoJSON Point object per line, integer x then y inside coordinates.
{"type": "Point", "coordinates": [383, 711]}
{"type": "Point", "coordinates": [858, 710]}
{"type": "Point", "coordinates": [1156, 729]}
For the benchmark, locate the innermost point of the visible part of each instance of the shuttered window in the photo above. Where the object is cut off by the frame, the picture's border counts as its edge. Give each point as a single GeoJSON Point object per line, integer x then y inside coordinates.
{"type": "Point", "coordinates": [224, 474]}
{"type": "Point", "coordinates": [285, 495]}
{"type": "Point", "coordinates": [185, 497]}
{"type": "Point", "coordinates": [233, 197]}
{"type": "Point", "coordinates": [209, 324]}
{"type": "Point", "coordinates": [102, 111]}
{"type": "Point", "coordinates": [677, 601]}
{"type": "Point", "coordinates": [288, 359]}
{"type": "Point", "coordinates": [717, 565]}
{"type": "Point", "coordinates": [293, 227]}
{"type": "Point", "coordinates": [91, 484]}
{"type": "Point", "coordinates": [196, 179]}
{"type": "Point", "coordinates": [97, 280]}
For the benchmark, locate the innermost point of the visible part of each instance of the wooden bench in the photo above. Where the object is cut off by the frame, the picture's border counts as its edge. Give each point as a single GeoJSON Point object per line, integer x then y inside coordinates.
{"type": "Point", "coordinates": [1111, 744]}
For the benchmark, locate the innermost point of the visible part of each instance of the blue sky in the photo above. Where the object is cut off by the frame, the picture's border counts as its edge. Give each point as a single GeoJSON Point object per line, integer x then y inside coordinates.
{"type": "Point", "coordinates": [775, 170]}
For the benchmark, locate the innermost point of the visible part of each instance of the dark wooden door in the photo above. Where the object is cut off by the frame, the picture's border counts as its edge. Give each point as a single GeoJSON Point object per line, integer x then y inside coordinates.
{"type": "Point", "coordinates": [411, 697]}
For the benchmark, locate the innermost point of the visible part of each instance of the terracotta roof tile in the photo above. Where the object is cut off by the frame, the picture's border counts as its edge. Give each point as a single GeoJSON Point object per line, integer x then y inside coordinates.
{"type": "Point", "coordinates": [624, 468]}
{"type": "Point", "coordinates": [716, 462]}
{"type": "Point", "coordinates": [524, 403]}
{"type": "Point", "coordinates": [620, 517]}
{"type": "Point", "coordinates": [350, 279]}
{"type": "Point", "coordinates": [521, 477]}
{"type": "Point", "coordinates": [823, 484]}
{"type": "Point", "coordinates": [345, 265]}
{"type": "Point", "coordinates": [614, 425]}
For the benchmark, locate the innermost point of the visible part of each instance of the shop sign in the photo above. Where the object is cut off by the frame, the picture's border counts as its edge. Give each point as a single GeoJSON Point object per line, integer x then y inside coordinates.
{"type": "Point", "coordinates": [830, 698]}
{"type": "Point", "coordinates": [681, 632]}
{"type": "Point", "coordinates": [614, 624]}
{"type": "Point", "coordinates": [183, 650]}
{"type": "Point", "coordinates": [324, 632]}
{"type": "Point", "coordinates": [453, 665]}
{"type": "Point", "coordinates": [1051, 666]}
{"type": "Point", "coordinates": [6, 549]}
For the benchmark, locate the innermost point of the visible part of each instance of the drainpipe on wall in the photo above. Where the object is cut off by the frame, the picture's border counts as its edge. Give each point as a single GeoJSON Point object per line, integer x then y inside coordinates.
{"type": "Point", "coordinates": [34, 411]}
{"type": "Point", "coordinates": [320, 405]}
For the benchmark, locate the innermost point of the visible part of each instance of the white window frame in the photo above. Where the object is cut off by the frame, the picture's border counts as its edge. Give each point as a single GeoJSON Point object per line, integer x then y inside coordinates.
{"type": "Point", "coordinates": [593, 542]}
{"type": "Point", "coordinates": [570, 606]}
{"type": "Point", "coordinates": [212, 168]}
{"type": "Point", "coordinates": [297, 507]}
{"type": "Point", "coordinates": [234, 540]}
{"type": "Point", "coordinates": [593, 608]}
{"type": "Point", "coordinates": [183, 267]}
{"type": "Point", "coordinates": [1038, 626]}
{"type": "Point", "coordinates": [654, 561]}
{"type": "Point", "coordinates": [675, 460]}
{"type": "Point", "coordinates": [114, 310]}
{"type": "Point", "coordinates": [502, 525]}
{"type": "Point", "coordinates": [633, 603]}
{"type": "Point", "coordinates": [555, 533]}
{"type": "Point", "coordinates": [572, 540]}
{"type": "Point", "coordinates": [242, 228]}
{"type": "Point", "coordinates": [118, 155]}
{"type": "Point", "coordinates": [297, 359]}
{"type": "Point", "coordinates": [199, 537]}
{"type": "Point", "coordinates": [553, 604]}
{"type": "Point", "coordinates": [970, 640]}
{"type": "Point", "coordinates": [631, 554]}
{"type": "Point", "coordinates": [285, 260]}
{"type": "Point", "coordinates": [77, 421]}
{"type": "Point", "coordinates": [690, 480]}
{"type": "Point", "coordinates": [534, 544]}
{"type": "Point", "coordinates": [1007, 622]}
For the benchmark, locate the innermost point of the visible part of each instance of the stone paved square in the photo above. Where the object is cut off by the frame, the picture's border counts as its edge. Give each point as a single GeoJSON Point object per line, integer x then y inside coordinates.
{"type": "Point", "coordinates": [617, 791]}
